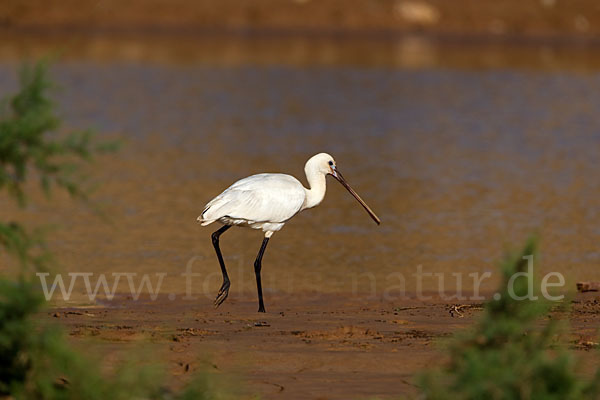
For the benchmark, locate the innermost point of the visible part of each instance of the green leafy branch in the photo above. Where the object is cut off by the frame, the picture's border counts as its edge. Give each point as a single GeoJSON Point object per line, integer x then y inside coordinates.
{"type": "Point", "coordinates": [31, 145]}
{"type": "Point", "coordinates": [28, 141]}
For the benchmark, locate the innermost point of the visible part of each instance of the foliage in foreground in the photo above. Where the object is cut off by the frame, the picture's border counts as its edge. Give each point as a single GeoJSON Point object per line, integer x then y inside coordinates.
{"type": "Point", "coordinates": [36, 361]}
{"type": "Point", "coordinates": [510, 353]}
{"type": "Point", "coordinates": [30, 148]}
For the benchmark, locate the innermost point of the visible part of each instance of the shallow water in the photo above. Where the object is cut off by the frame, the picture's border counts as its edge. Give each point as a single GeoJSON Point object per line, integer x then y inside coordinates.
{"type": "Point", "coordinates": [458, 161]}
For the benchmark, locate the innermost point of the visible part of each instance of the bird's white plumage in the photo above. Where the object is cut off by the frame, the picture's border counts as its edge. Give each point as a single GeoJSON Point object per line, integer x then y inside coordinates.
{"type": "Point", "coordinates": [262, 201]}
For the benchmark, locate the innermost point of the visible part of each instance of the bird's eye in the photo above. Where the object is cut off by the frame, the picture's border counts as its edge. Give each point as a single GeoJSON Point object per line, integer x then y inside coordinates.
{"type": "Point", "coordinates": [330, 162]}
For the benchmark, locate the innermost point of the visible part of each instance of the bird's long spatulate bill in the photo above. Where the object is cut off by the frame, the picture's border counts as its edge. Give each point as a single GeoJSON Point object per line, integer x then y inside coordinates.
{"type": "Point", "coordinates": [341, 180]}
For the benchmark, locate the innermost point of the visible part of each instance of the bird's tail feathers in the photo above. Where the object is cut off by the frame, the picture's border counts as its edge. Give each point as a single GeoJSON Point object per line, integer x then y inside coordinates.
{"type": "Point", "coordinates": [205, 222]}
{"type": "Point", "coordinates": [206, 217]}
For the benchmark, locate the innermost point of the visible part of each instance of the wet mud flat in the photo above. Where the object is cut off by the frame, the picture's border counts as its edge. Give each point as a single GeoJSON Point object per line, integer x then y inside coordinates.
{"type": "Point", "coordinates": [306, 346]}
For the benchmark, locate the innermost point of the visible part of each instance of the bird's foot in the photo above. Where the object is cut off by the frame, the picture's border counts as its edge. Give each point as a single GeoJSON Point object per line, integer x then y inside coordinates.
{"type": "Point", "coordinates": [223, 293]}
{"type": "Point", "coordinates": [261, 308]}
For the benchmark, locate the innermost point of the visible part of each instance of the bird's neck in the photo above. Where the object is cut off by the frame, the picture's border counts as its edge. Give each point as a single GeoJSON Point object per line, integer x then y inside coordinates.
{"type": "Point", "coordinates": [317, 185]}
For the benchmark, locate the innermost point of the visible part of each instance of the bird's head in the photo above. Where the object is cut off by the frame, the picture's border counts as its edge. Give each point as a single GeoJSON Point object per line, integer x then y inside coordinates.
{"type": "Point", "coordinates": [322, 163]}
{"type": "Point", "coordinates": [325, 164]}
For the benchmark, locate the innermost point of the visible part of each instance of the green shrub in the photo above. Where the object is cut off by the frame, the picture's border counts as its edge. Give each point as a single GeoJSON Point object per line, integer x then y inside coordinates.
{"type": "Point", "coordinates": [511, 353]}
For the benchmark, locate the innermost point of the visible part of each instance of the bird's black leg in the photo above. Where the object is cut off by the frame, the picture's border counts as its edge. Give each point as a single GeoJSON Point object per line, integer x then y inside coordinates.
{"type": "Point", "coordinates": [224, 291]}
{"type": "Point", "coordinates": [257, 267]}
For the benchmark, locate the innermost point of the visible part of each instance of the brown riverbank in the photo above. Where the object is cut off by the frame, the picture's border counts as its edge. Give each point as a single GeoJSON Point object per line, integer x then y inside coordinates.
{"type": "Point", "coordinates": [539, 19]}
{"type": "Point", "coordinates": [306, 347]}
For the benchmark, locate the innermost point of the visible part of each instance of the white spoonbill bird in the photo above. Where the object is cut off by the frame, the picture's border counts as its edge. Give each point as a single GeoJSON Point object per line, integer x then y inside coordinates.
{"type": "Point", "coordinates": [267, 202]}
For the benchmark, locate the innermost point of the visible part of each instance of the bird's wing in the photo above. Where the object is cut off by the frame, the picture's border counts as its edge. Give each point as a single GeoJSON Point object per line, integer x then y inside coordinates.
{"type": "Point", "coordinates": [258, 198]}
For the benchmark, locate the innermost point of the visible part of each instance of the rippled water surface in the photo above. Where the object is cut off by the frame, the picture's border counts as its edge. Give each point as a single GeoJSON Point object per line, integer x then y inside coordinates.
{"type": "Point", "coordinates": [458, 162]}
